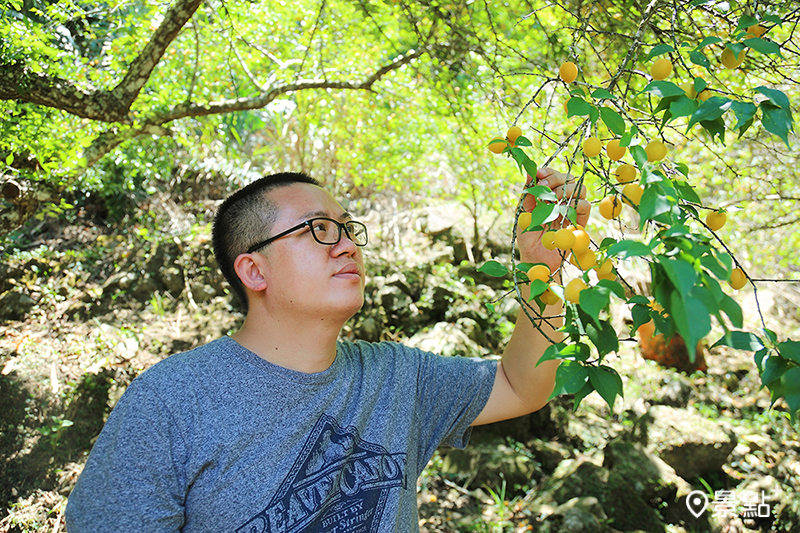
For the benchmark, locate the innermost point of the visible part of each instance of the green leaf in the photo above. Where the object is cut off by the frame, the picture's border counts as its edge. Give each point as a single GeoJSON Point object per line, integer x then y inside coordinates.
{"type": "Point", "coordinates": [612, 120]}
{"type": "Point", "coordinates": [581, 394]}
{"type": "Point", "coordinates": [639, 156]}
{"type": "Point", "coordinates": [603, 337]}
{"type": "Point", "coordinates": [578, 107]}
{"type": "Point", "coordinates": [606, 382]}
{"type": "Point", "coordinates": [791, 391]}
{"type": "Point", "coordinates": [494, 269]}
{"type": "Point", "coordinates": [745, 22]}
{"type": "Point", "coordinates": [653, 203]}
{"type": "Point", "coordinates": [630, 249]}
{"type": "Point", "coordinates": [682, 107]}
{"type": "Point", "coordinates": [777, 121]}
{"type": "Point", "coordinates": [740, 340]}
{"type": "Point", "coordinates": [691, 318]}
{"type": "Point", "coordinates": [663, 89]}
{"type": "Point", "coordinates": [660, 49]}
{"type": "Point", "coordinates": [523, 141]}
{"type": "Point", "coordinates": [576, 352]}
{"type": "Point", "coordinates": [593, 300]}
{"type": "Point", "coordinates": [530, 167]}
{"type": "Point", "coordinates": [9, 159]}
{"type": "Point", "coordinates": [707, 41]}
{"type": "Point", "coordinates": [775, 96]}
{"type": "Point", "coordinates": [570, 378]}
{"type": "Point", "coordinates": [628, 137]}
{"type": "Point", "coordinates": [790, 350]}
{"type": "Point", "coordinates": [551, 352]}
{"type": "Point", "coordinates": [699, 59]}
{"type": "Point", "coordinates": [537, 287]}
{"type": "Point", "coordinates": [699, 84]}
{"type": "Point", "coordinates": [774, 368]}
{"type": "Point", "coordinates": [744, 111]}
{"type": "Point", "coordinates": [686, 191]}
{"type": "Point", "coordinates": [543, 213]}
{"type": "Point", "coordinates": [602, 94]}
{"type": "Point", "coordinates": [764, 46]}
{"type": "Point", "coordinates": [711, 109]}
{"type": "Point", "coordinates": [640, 315]}
{"type": "Point", "coordinates": [681, 273]}
{"type": "Point", "coordinates": [540, 192]}
{"type": "Point", "coordinates": [715, 128]}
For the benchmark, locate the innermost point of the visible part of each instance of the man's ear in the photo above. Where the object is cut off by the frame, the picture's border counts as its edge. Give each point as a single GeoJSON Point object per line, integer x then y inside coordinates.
{"type": "Point", "coordinates": [250, 268]}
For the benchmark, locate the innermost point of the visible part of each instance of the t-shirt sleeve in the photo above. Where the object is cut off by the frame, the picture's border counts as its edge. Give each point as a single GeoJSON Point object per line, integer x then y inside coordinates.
{"type": "Point", "coordinates": [452, 393]}
{"type": "Point", "coordinates": [132, 480]}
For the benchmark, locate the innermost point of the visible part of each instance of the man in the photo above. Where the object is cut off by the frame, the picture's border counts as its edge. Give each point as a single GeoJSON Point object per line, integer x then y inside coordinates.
{"type": "Point", "coordinates": [280, 427]}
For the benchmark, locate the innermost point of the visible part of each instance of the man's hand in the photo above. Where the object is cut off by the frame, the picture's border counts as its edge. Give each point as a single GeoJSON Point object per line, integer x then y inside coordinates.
{"type": "Point", "coordinates": [530, 243]}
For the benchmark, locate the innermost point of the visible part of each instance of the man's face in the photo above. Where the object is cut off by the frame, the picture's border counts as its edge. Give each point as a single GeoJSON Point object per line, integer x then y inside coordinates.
{"type": "Point", "coordinates": [303, 276]}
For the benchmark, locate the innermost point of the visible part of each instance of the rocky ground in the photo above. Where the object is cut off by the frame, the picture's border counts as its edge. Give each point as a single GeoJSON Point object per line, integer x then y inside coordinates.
{"type": "Point", "coordinates": [84, 312]}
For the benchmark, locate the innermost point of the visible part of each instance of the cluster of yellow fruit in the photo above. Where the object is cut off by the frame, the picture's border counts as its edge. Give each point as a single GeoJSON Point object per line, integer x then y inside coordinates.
{"type": "Point", "coordinates": [730, 59]}
{"type": "Point", "coordinates": [610, 207]}
{"type": "Point", "coordinates": [575, 241]}
{"type": "Point", "coordinates": [499, 144]}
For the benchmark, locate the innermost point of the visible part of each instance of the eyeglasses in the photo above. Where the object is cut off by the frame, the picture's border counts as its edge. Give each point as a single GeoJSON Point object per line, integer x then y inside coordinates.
{"type": "Point", "coordinates": [325, 231]}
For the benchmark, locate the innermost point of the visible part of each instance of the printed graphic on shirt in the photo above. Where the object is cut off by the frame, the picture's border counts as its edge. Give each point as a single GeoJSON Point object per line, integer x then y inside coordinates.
{"type": "Point", "coordinates": [338, 484]}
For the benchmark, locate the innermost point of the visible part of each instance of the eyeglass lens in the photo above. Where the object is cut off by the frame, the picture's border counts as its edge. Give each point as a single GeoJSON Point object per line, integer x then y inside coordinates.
{"type": "Point", "coordinates": [330, 232]}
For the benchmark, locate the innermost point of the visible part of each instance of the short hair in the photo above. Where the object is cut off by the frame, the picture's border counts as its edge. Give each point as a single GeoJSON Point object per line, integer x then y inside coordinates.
{"type": "Point", "coordinates": [243, 219]}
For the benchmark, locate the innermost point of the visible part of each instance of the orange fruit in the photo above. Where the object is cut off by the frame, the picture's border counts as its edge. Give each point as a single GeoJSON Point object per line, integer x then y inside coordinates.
{"type": "Point", "coordinates": [661, 69]}
{"type": "Point", "coordinates": [688, 88]}
{"type": "Point", "coordinates": [568, 72]}
{"type": "Point", "coordinates": [704, 95]}
{"type": "Point", "coordinates": [655, 150]}
{"type": "Point", "coordinates": [582, 241]}
{"type": "Point", "coordinates": [606, 267]}
{"type": "Point", "coordinates": [716, 219]}
{"type": "Point", "coordinates": [756, 30]}
{"type": "Point", "coordinates": [497, 145]}
{"type": "Point", "coordinates": [572, 291]}
{"type": "Point", "coordinates": [632, 193]}
{"type": "Point", "coordinates": [541, 272]}
{"type": "Point", "coordinates": [731, 60]}
{"type": "Point", "coordinates": [738, 278]}
{"type": "Point", "coordinates": [625, 173]}
{"type": "Point", "coordinates": [513, 133]}
{"type": "Point", "coordinates": [549, 240]}
{"type": "Point", "coordinates": [610, 207]}
{"type": "Point", "coordinates": [564, 239]}
{"type": "Point", "coordinates": [549, 297]}
{"type": "Point", "coordinates": [614, 151]}
{"type": "Point", "coordinates": [592, 146]}
{"type": "Point", "coordinates": [584, 260]}
{"type": "Point", "coordinates": [524, 221]}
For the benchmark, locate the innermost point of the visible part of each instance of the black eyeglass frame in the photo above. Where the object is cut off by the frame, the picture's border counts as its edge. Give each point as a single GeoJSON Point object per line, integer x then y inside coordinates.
{"type": "Point", "coordinates": [309, 223]}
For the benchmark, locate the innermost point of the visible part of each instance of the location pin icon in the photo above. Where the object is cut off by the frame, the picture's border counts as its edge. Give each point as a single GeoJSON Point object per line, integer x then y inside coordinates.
{"type": "Point", "coordinates": [696, 502]}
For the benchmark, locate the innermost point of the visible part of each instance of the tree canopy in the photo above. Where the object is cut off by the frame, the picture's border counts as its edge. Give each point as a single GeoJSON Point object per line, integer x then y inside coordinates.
{"type": "Point", "coordinates": [116, 100]}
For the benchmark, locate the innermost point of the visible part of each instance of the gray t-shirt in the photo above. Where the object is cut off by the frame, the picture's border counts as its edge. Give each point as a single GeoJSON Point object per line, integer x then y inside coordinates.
{"type": "Point", "coordinates": [217, 439]}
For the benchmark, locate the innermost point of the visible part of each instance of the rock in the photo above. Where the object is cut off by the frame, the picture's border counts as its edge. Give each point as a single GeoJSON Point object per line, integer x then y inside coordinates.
{"type": "Point", "coordinates": [486, 464]}
{"type": "Point", "coordinates": [690, 443]}
{"type": "Point", "coordinates": [589, 504]}
{"type": "Point", "coordinates": [15, 304]}
{"type": "Point", "coordinates": [172, 279]}
{"type": "Point", "coordinates": [368, 329]}
{"type": "Point", "coordinates": [145, 288]}
{"type": "Point", "coordinates": [674, 393]}
{"type": "Point", "coordinates": [579, 521]}
{"type": "Point", "coordinates": [445, 338]}
{"type": "Point", "coordinates": [583, 477]}
{"type": "Point", "coordinates": [121, 281]}
{"type": "Point", "coordinates": [549, 454]}
{"type": "Point", "coordinates": [648, 475]}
